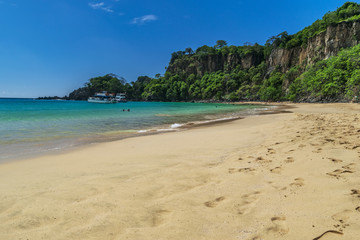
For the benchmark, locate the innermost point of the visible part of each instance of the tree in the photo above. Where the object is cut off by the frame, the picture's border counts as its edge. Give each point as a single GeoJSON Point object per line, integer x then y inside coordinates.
{"type": "Point", "coordinates": [189, 51]}
{"type": "Point", "coordinates": [143, 79]}
{"type": "Point", "coordinates": [176, 55]}
{"type": "Point", "coordinates": [220, 44]}
{"type": "Point", "coordinates": [115, 86]}
{"type": "Point", "coordinates": [205, 50]}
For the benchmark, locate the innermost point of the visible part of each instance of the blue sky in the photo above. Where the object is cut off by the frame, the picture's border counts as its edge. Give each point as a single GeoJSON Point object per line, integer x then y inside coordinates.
{"type": "Point", "coordinates": [53, 47]}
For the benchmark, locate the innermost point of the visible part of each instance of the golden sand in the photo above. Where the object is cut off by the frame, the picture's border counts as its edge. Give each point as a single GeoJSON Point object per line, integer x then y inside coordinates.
{"type": "Point", "coordinates": [294, 176]}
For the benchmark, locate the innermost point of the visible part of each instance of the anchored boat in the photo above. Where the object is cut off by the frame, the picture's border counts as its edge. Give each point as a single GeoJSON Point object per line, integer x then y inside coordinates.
{"type": "Point", "coordinates": [103, 97]}
{"type": "Point", "coordinates": [121, 97]}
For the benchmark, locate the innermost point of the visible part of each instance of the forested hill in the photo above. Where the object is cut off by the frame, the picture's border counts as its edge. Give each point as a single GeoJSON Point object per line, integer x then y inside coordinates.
{"type": "Point", "coordinates": [319, 63]}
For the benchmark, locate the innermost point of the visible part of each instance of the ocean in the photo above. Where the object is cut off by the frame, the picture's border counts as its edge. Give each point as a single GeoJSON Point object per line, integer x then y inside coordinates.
{"type": "Point", "coordinates": [31, 127]}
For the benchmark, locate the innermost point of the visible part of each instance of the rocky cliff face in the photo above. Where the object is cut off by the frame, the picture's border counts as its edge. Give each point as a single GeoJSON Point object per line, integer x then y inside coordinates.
{"type": "Point", "coordinates": [213, 63]}
{"type": "Point", "coordinates": [319, 47]}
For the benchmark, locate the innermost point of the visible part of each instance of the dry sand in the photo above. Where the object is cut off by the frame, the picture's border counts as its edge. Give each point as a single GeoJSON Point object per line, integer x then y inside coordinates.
{"type": "Point", "coordinates": [284, 176]}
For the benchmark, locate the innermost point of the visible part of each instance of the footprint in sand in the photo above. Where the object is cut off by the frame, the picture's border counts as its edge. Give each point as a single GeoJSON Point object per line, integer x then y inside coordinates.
{"type": "Point", "coordinates": [261, 160]}
{"type": "Point", "coordinates": [246, 170]}
{"type": "Point", "coordinates": [298, 182]}
{"type": "Point", "coordinates": [276, 170]}
{"type": "Point", "coordinates": [355, 192]}
{"type": "Point", "coordinates": [350, 166]}
{"type": "Point", "coordinates": [276, 187]}
{"type": "Point", "coordinates": [278, 226]}
{"type": "Point", "coordinates": [29, 223]}
{"type": "Point", "coordinates": [271, 151]}
{"type": "Point", "coordinates": [329, 140]}
{"type": "Point", "coordinates": [352, 147]}
{"type": "Point", "coordinates": [289, 160]}
{"type": "Point", "coordinates": [338, 173]}
{"type": "Point", "coordinates": [214, 164]}
{"type": "Point", "coordinates": [214, 203]}
{"type": "Point", "coordinates": [342, 217]}
{"type": "Point", "coordinates": [318, 150]}
{"type": "Point", "coordinates": [248, 202]}
{"type": "Point", "coordinates": [334, 160]}
{"type": "Point", "coordinates": [158, 217]}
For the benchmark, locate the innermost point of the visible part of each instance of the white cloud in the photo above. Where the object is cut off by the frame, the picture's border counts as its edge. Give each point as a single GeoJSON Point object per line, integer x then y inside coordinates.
{"type": "Point", "coordinates": [107, 9]}
{"type": "Point", "coordinates": [101, 6]}
{"type": "Point", "coordinates": [144, 19]}
{"type": "Point", "coordinates": [96, 5]}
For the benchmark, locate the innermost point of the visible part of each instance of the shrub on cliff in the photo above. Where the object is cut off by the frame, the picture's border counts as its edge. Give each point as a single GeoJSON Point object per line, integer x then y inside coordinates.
{"type": "Point", "coordinates": [349, 11]}
{"type": "Point", "coordinates": [334, 79]}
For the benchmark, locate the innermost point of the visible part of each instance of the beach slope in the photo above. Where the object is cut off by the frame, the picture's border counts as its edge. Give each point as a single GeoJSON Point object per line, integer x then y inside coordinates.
{"type": "Point", "coordinates": [293, 175]}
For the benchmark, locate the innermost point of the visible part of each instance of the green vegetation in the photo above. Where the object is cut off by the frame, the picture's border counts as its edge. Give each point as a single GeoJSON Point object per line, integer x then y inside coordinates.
{"type": "Point", "coordinates": [235, 85]}
{"type": "Point", "coordinates": [334, 79]}
{"type": "Point", "coordinates": [219, 50]}
{"type": "Point", "coordinates": [109, 82]}
{"type": "Point", "coordinates": [233, 73]}
{"type": "Point", "coordinates": [350, 11]}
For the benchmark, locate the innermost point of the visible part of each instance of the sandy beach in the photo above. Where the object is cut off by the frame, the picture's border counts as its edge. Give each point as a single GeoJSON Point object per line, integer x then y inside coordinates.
{"type": "Point", "coordinates": [293, 175]}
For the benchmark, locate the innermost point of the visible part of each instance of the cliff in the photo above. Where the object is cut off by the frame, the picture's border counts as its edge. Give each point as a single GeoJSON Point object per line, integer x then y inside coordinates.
{"type": "Point", "coordinates": [320, 47]}
{"type": "Point", "coordinates": [201, 64]}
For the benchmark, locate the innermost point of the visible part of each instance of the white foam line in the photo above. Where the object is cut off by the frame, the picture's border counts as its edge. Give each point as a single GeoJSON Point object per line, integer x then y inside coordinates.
{"type": "Point", "coordinates": [165, 130]}
{"type": "Point", "coordinates": [176, 126]}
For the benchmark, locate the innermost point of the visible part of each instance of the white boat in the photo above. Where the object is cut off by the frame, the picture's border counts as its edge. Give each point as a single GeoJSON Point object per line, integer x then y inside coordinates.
{"type": "Point", "coordinates": [121, 97]}
{"type": "Point", "coordinates": [103, 97]}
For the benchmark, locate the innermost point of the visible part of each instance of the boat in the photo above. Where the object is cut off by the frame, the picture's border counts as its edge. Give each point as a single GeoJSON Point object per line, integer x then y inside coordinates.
{"type": "Point", "coordinates": [103, 97]}
{"type": "Point", "coordinates": [121, 97]}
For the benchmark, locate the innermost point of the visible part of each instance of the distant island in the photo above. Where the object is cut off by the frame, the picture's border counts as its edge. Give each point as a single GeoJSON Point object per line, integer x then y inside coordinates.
{"type": "Point", "coordinates": [320, 63]}
{"type": "Point", "coordinates": [53, 98]}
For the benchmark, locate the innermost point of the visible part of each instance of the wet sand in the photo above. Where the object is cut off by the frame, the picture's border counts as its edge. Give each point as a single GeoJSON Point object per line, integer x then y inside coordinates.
{"type": "Point", "coordinates": [293, 175]}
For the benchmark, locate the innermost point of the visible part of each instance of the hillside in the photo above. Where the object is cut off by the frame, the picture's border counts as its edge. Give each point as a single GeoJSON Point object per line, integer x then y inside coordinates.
{"type": "Point", "coordinates": [276, 71]}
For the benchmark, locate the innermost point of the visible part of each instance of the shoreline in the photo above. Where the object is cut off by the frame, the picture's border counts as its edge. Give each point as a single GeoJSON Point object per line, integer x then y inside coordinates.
{"type": "Point", "coordinates": [278, 176]}
{"type": "Point", "coordinates": [81, 142]}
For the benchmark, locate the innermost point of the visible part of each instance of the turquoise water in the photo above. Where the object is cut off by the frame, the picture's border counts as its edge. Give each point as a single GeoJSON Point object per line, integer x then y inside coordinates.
{"type": "Point", "coordinates": [36, 126]}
